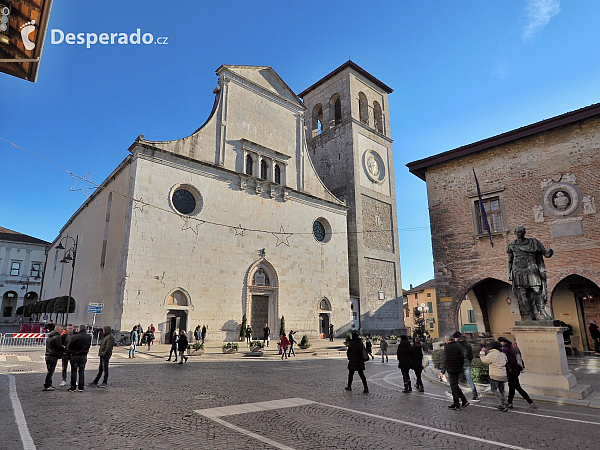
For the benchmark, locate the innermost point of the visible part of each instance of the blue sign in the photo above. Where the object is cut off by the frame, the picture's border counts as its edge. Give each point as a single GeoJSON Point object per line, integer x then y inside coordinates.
{"type": "Point", "coordinates": [95, 308]}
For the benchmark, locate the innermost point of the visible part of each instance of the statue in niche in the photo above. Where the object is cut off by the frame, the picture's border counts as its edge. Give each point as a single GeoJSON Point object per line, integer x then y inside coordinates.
{"type": "Point", "coordinates": [561, 201]}
{"type": "Point", "coordinates": [527, 271]}
{"type": "Point", "coordinates": [538, 212]}
{"type": "Point", "coordinates": [588, 205]}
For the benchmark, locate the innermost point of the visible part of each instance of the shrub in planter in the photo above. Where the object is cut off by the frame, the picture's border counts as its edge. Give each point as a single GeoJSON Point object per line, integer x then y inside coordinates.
{"type": "Point", "coordinates": [438, 358]}
{"type": "Point", "coordinates": [480, 371]}
{"type": "Point", "coordinates": [304, 342]}
{"type": "Point", "coordinates": [256, 346]}
{"type": "Point", "coordinates": [230, 347]}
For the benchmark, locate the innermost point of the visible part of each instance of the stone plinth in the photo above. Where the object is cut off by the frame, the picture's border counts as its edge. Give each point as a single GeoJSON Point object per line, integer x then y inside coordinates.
{"type": "Point", "coordinates": [546, 369]}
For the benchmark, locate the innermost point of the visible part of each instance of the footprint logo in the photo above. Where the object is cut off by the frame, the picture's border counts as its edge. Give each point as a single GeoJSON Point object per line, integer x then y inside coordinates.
{"type": "Point", "coordinates": [26, 30]}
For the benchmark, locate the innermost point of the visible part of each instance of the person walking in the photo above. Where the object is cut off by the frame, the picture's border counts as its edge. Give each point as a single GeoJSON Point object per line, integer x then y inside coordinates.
{"type": "Point", "coordinates": [248, 335]}
{"type": "Point", "coordinates": [153, 328]}
{"type": "Point", "coordinates": [514, 367]}
{"type": "Point", "coordinates": [198, 334]}
{"type": "Point", "coordinates": [66, 335]}
{"type": "Point", "coordinates": [182, 345]}
{"type": "Point", "coordinates": [383, 346]}
{"type": "Point", "coordinates": [203, 333]}
{"type": "Point", "coordinates": [105, 352]}
{"type": "Point", "coordinates": [497, 362]}
{"type": "Point", "coordinates": [405, 362]}
{"type": "Point", "coordinates": [595, 335]}
{"type": "Point", "coordinates": [149, 337]}
{"type": "Point", "coordinates": [133, 337]}
{"type": "Point", "coordinates": [292, 342]}
{"type": "Point", "coordinates": [79, 348]}
{"type": "Point", "coordinates": [369, 347]}
{"type": "Point", "coordinates": [139, 330]}
{"type": "Point", "coordinates": [453, 364]}
{"type": "Point", "coordinates": [330, 332]}
{"type": "Point", "coordinates": [356, 361]}
{"type": "Point", "coordinates": [54, 351]}
{"type": "Point", "coordinates": [174, 341]}
{"type": "Point", "coordinates": [416, 356]}
{"type": "Point", "coordinates": [283, 345]}
{"type": "Point", "coordinates": [468, 358]}
{"type": "Point", "coordinates": [266, 334]}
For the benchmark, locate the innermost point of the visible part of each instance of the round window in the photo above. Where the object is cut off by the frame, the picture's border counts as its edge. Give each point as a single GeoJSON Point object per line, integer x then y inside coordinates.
{"type": "Point", "coordinates": [184, 201]}
{"type": "Point", "coordinates": [318, 231]}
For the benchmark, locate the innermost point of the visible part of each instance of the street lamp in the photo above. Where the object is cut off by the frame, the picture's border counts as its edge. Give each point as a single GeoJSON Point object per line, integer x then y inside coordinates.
{"type": "Point", "coordinates": [423, 309]}
{"type": "Point", "coordinates": [69, 257]}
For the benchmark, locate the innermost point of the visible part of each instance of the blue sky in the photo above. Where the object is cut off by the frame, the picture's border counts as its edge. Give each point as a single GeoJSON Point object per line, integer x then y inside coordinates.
{"type": "Point", "coordinates": [461, 71]}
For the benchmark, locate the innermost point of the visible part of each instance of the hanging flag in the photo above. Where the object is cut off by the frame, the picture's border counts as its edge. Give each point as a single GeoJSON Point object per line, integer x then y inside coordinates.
{"type": "Point", "coordinates": [484, 221]}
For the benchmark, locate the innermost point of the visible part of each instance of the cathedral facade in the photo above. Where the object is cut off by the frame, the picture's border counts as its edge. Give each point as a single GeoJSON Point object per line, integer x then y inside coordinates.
{"type": "Point", "coordinates": [235, 219]}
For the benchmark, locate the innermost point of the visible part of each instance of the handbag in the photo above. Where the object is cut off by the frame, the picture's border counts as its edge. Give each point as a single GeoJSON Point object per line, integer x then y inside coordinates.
{"type": "Point", "coordinates": [424, 361]}
{"type": "Point", "coordinates": [365, 354]}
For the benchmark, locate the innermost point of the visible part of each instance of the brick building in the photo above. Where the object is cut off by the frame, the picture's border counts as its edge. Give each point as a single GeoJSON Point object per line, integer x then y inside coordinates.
{"type": "Point", "coordinates": [544, 177]}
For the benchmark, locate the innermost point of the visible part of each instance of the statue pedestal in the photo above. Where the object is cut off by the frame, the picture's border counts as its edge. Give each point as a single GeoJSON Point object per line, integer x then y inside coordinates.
{"type": "Point", "coordinates": [546, 370]}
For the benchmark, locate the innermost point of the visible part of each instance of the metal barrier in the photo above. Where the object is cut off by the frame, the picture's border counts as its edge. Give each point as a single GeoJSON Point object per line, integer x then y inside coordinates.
{"type": "Point", "coordinates": [22, 340]}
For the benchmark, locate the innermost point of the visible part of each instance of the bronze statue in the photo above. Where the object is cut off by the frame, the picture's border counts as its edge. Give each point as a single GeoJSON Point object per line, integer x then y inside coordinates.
{"type": "Point", "coordinates": [527, 271]}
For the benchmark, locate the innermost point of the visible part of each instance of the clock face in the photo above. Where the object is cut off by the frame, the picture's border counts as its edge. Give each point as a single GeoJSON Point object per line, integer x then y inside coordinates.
{"type": "Point", "coordinates": [374, 166]}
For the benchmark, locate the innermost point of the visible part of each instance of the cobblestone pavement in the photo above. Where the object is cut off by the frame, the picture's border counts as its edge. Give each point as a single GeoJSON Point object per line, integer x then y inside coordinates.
{"type": "Point", "coordinates": [153, 404]}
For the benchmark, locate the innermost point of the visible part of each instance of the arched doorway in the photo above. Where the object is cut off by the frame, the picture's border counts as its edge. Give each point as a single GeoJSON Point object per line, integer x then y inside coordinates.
{"type": "Point", "coordinates": [9, 304]}
{"type": "Point", "coordinates": [262, 297]}
{"type": "Point", "coordinates": [324, 309]}
{"type": "Point", "coordinates": [576, 301]}
{"type": "Point", "coordinates": [177, 305]}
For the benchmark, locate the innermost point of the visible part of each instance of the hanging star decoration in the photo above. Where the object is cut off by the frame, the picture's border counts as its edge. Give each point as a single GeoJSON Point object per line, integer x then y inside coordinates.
{"type": "Point", "coordinates": [190, 224]}
{"type": "Point", "coordinates": [282, 237]}
{"type": "Point", "coordinates": [139, 204]}
{"type": "Point", "coordinates": [84, 190]}
{"type": "Point", "coordinates": [239, 231]}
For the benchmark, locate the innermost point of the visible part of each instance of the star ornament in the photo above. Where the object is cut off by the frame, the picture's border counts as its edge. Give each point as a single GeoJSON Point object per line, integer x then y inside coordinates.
{"type": "Point", "coordinates": [191, 224]}
{"type": "Point", "coordinates": [282, 237]}
{"type": "Point", "coordinates": [139, 204]}
{"type": "Point", "coordinates": [84, 190]}
{"type": "Point", "coordinates": [239, 231]}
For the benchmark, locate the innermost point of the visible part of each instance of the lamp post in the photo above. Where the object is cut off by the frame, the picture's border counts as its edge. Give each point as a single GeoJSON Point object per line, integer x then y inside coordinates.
{"type": "Point", "coordinates": [69, 256]}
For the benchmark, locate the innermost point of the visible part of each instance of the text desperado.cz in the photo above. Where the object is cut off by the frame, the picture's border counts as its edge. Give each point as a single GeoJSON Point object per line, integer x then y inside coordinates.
{"type": "Point", "coordinates": [89, 39]}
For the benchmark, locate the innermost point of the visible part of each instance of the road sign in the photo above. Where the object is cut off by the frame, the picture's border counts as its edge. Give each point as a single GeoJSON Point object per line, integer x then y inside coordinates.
{"type": "Point", "coordinates": [95, 308]}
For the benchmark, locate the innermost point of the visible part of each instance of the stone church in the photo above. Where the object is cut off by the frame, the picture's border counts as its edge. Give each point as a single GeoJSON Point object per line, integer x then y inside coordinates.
{"type": "Point", "coordinates": [273, 207]}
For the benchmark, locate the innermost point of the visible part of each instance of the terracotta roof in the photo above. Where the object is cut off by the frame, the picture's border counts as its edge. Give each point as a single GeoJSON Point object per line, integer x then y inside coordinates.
{"type": "Point", "coordinates": [356, 68]}
{"type": "Point", "coordinates": [427, 285]}
{"type": "Point", "coordinates": [14, 236]}
{"type": "Point", "coordinates": [419, 168]}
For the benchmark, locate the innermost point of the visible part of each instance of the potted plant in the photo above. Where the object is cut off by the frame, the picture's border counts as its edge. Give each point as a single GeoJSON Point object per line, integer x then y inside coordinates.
{"type": "Point", "coordinates": [196, 348]}
{"type": "Point", "coordinates": [256, 346]}
{"type": "Point", "coordinates": [393, 339]}
{"type": "Point", "coordinates": [304, 344]}
{"type": "Point", "coordinates": [230, 347]}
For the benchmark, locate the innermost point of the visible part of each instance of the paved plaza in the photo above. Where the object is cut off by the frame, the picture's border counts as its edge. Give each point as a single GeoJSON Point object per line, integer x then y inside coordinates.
{"type": "Point", "coordinates": [218, 401]}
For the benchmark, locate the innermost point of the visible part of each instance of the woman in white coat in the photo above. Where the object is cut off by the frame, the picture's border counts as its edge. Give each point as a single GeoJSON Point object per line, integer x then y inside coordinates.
{"type": "Point", "coordinates": [497, 362]}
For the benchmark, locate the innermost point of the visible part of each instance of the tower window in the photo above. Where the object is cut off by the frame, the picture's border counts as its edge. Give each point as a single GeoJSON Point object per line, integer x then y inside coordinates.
{"type": "Point", "coordinates": [249, 163]}
{"type": "Point", "coordinates": [378, 117]}
{"type": "Point", "coordinates": [317, 120]}
{"type": "Point", "coordinates": [363, 108]}
{"type": "Point", "coordinates": [263, 169]}
{"type": "Point", "coordinates": [277, 174]}
{"type": "Point", "coordinates": [335, 108]}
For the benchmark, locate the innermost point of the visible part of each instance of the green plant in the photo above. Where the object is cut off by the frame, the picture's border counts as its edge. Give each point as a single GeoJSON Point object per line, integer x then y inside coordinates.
{"type": "Point", "coordinates": [438, 358]}
{"type": "Point", "coordinates": [234, 345]}
{"type": "Point", "coordinates": [282, 326]}
{"type": "Point", "coordinates": [304, 341]}
{"type": "Point", "coordinates": [479, 371]}
{"type": "Point", "coordinates": [196, 346]}
{"type": "Point", "coordinates": [420, 329]}
{"type": "Point", "coordinates": [255, 344]}
{"type": "Point", "coordinates": [243, 327]}
{"type": "Point", "coordinates": [376, 338]}
{"type": "Point", "coordinates": [392, 337]}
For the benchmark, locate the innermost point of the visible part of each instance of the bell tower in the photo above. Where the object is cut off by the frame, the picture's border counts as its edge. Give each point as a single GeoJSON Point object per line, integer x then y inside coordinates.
{"type": "Point", "coordinates": [348, 139]}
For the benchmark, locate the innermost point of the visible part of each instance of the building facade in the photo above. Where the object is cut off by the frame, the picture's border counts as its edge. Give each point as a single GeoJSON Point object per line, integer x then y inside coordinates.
{"type": "Point", "coordinates": [22, 259]}
{"type": "Point", "coordinates": [423, 297]}
{"type": "Point", "coordinates": [232, 220]}
{"type": "Point", "coordinates": [544, 177]}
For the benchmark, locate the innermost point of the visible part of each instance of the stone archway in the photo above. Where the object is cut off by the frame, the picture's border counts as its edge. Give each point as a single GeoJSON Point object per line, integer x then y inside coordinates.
{"type": "Point", "coordinates": [262, 297]}
{"type": "Point", "coordinates": [324, 310]}
{"type": "Point", "coordinates": [177, 304]}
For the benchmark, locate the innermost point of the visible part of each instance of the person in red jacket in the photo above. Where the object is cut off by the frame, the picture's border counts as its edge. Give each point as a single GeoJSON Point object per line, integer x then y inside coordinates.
{"type": "Point", "coordinates": [284, 345]}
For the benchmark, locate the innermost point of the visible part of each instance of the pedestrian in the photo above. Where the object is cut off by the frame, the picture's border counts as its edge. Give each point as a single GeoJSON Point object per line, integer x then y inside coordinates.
{"type": "Point", "coordinates": [139, 330]}
{"type": "Point", "coordinates": [369, 347]}
{"type": "Point", "coordinates": [153, 328]}
{"type": "Point", "coordinates": [453, 364]}
{"type": "Point", "coordinates": [468, 358]}
{"type": "Point", "coordinates": [383, 346]}
{"type": "Point", "coordinates": [133, 337]}
{"type": "Point", "coordinates": [292, 342]}
{"type": "Point", "coordinates": [357, 355]}
{"type": "Point", "coordinates": [198, 334]}
{"type": "Point", "coordinates": [405, 362]}
{"type": "Point", "coordinates": [105, 352]}
{"type": "Point", "coordinates": [497, 362]}
{"type": "Point", "coordinates": [174, 341]}
{"type": "Point", "coordinates": [182, 345]}
{"type": "Point", "coordinates": [203, 333]}
{"type": "Point", "coordinates": [416, 356]}
{"type": "Point", "coordinates": [283, 345]}
{"type": "Point", "coordinates": [79, 348]}
{"type": "Point", "coordinates": [266, 334]}
{"type": "Point", "coordinates": [248, 334]}
{"type": "Point", "coordinates": [66, 335]}
{"type": "Point", "coordinates": [330, 332]}
{"type": "Point", "coordinates": [595, 335]}
{"type": "Point", "coordinates": [54, 351]}
{"type": "Point", "coordinates": [514, 367]}
{"type": "Point", "coordinates": [50, 326]}
{"type": "Point", "coordinates": [149, 336]}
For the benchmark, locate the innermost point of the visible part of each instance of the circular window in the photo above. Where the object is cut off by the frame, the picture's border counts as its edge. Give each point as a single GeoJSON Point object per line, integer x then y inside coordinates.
{"type": "Point", "coordinates": [318, 231]}
{"type": "Point", "coordinates": [186, 200]}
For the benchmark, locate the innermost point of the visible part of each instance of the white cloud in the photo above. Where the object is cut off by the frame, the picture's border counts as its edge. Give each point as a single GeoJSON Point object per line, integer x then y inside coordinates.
{"type": "Point", "coordinates": [539, 13]}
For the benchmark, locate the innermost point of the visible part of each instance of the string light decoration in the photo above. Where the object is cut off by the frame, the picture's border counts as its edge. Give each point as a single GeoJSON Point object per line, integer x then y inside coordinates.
{"type": "Point", "coordinates": [87, 178]}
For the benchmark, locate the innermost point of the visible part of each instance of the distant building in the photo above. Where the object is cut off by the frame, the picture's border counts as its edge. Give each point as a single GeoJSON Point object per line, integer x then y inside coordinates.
{"type": "Point", "coordinates": [544, 177]}
{"type": "Point", "coordinates": [422, 296]}
{"type": "Point", "coordinates": [22, 259]}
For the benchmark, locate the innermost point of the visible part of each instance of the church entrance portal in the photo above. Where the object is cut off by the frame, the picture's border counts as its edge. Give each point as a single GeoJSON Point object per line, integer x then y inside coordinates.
{"type": "Point", "coordinates": [259, 315]}
{"type": "Point", "coordinates": [176, 320]}
{"type": "Point", "coordinates": [323, 325]}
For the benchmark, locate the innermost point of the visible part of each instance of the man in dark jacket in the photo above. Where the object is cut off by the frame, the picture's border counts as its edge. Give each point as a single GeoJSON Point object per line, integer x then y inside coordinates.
{"type": "Point", "coordinates": [54, 351]}
{"type": "Point", "coordinates": [356, 361]}
{"type": "Point", "coordinates": [468, 357]}
{"type": "Point", "coordinates": [453, 364]}
{"type": "Point", "coordinates": [405, 362]}
{"type": "Point", "coordinates": [182, 345]}
{"type": "Point", "coordinates": [79, 348]}
{"type": "Point", "coordinates": [595, 335]}
{"type": "Point", "coordinates": [105, 352]}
